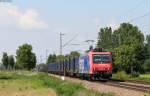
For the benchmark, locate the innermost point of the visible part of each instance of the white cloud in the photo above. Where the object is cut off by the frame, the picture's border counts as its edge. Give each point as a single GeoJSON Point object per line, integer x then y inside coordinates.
{"type": "Point", "coordinates": [29, 19]}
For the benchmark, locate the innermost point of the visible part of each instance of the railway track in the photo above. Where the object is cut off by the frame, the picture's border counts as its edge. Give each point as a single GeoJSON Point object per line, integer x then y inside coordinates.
{"type": "Point", "coordinates": [130, 85]}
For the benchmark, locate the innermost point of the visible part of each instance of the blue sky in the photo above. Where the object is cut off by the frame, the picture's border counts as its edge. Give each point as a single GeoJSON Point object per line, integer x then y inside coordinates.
{"type": "Point", "coordinates": [38, 22]}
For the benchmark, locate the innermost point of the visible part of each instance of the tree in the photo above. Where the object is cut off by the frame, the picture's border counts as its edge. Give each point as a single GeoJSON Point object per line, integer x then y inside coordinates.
{"type": "Point", "coordinates": [25, 58]}
{"type": "Point", "coordinates": [60, 58]}
{"type": "Point", "coordinates": [131, 37]}
{"type": "Point", "coordinates": [124, 58]}
{"type": "Point", "coordinates": [146, 64]}
{"type": "Point", "coordinates": [127, 45]}
{"type": "Point", "coordinates": [148, 46]}
{"type": "Point", "coordinates": [51, 59]}
{"type": "Point", "coordinates": [5, 60]}
{"type": "Point", "coordinates": [128, 34]}
{"type": "Point", "coordinates": [105, 38]}
{"type": "Point", "coordinates": [11, 61]}
{"type": "Point", "coordinates": [74, 54]}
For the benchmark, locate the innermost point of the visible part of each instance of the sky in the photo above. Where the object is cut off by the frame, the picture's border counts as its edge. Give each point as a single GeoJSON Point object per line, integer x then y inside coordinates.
{"type": "Point", "coordinates": [39, 22]}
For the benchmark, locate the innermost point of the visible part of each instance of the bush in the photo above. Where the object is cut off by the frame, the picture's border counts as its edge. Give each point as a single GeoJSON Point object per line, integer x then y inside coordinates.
{"type": "Point", "coordinates": [146, 65]}
{"type": "Point", "coordinates": [135, 74]}
{"type": "Point", "coordinates": [68, 89]}
{"type": "Point", "coordinates": [121, 75]}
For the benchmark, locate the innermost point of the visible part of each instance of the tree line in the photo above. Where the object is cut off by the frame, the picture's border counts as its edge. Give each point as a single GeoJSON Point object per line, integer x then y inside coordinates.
{"type": "Point", "coordinates": [52, 58]}
{"type": "Point", "coordinates": [130, 49]}
{"type": "Point", "coordinates": [57, 58]}
{"type": "Point", "coordinates": [25, 58]}
{"type": "Point", "coordinates": [8, 61]}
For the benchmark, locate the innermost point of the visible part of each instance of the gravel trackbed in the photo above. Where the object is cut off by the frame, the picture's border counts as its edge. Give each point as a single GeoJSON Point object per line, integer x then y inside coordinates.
{"type": "Point", "coordinates": [102, 88]}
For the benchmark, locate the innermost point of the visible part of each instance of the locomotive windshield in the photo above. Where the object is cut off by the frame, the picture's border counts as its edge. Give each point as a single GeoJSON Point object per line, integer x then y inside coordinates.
{"type": "Point", "coordinates": [101, 58]}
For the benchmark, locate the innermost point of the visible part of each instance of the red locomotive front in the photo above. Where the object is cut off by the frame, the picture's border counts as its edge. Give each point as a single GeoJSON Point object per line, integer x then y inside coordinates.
{"type": "Point", "coordinates": [100, 64]}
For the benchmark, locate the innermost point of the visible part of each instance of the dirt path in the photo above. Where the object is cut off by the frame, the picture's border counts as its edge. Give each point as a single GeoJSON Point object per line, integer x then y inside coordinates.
{"type": "Point", "coordinates": [104, 88]}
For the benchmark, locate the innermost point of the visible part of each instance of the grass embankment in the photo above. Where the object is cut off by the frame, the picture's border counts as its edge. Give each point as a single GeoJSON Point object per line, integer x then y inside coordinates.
{"type": "Point", "coordinates": [123, 76]}
{"type": "Point", "coordinates": [40, 84]}
{"type": "Point", "coordinates": [142, 77]}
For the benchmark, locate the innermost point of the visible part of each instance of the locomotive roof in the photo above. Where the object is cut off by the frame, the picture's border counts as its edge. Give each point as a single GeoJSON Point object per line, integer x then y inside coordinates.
{"type": "Point", "coordinates": [92, 52]}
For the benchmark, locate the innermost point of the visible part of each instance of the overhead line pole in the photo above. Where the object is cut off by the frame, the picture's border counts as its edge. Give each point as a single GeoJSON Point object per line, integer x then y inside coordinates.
{"type": "Point", "coordinates": [46, 55]}
{"type": "Point", "coordinates": [41, 59]}
{"type": "Point", "coordinates": [60, 43]}
{"type": "Point", "coordinates": [61, 34]}
{"type": "Point", "coordinates": [61, 46]}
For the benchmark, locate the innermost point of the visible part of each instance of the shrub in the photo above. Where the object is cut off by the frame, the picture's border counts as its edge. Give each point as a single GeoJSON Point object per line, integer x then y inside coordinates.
{"type": "Point", "coordinates": [146, 65]}
{"type": "Point", "coordinates": [68, 89]}
{"type": "Point", "coordinates": [121, 75]}
{"type": "Point", "coordinates": [135, 74]}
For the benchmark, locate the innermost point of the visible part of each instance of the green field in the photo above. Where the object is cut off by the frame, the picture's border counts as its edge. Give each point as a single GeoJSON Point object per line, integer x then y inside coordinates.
{"type": "Point", "coordinates": [24, 83]}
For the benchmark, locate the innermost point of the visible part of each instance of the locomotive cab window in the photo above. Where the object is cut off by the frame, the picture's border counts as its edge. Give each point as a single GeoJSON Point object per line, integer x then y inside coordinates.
{"type": "Point", "coordinates": [101, 58]}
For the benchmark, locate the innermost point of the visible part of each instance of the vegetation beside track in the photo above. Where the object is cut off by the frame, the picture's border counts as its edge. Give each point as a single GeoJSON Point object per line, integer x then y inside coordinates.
{"type": "Point", "coordinates": [143, 77]}
{"type": "Point", "coordinates": [123, 76]}
{"type": "Point", "coordinates": [147, 94]}
{"type": "Point", "coordinates": [40, 84]}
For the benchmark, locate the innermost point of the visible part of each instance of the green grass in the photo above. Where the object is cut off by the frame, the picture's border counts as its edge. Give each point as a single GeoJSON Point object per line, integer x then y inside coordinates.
{"type": "Point", "coordinates": [145, 76]}
{"type": "Point", "coordinates": [123, 76]}
{"type": "Point", "coordinates": [16, 84]}
{"type": "Point", "coordinates": [65, 88]}
{"type": "Point", "coordinates": [142, 77]}
{"type": "Point", "coordinates": [25, 82]}
{"type": "Point", "coordinates": [147, 94]}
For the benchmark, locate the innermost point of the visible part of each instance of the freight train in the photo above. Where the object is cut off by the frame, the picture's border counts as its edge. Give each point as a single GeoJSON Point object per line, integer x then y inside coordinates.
{"type": "Point", "coordinates": [92, 65]}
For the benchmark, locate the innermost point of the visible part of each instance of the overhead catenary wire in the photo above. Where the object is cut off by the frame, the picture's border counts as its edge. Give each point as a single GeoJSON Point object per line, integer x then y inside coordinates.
{"type": "Point", "coordinates": [70, 40]}
{"type": "Point", "coordinates": [134, 8]}
{"type": "Point", "coordinates": [139, 17]}
{"type": "Point", "coordinates": [146, 25]}
{"type": "Point", "coordinates": [146, 30]}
